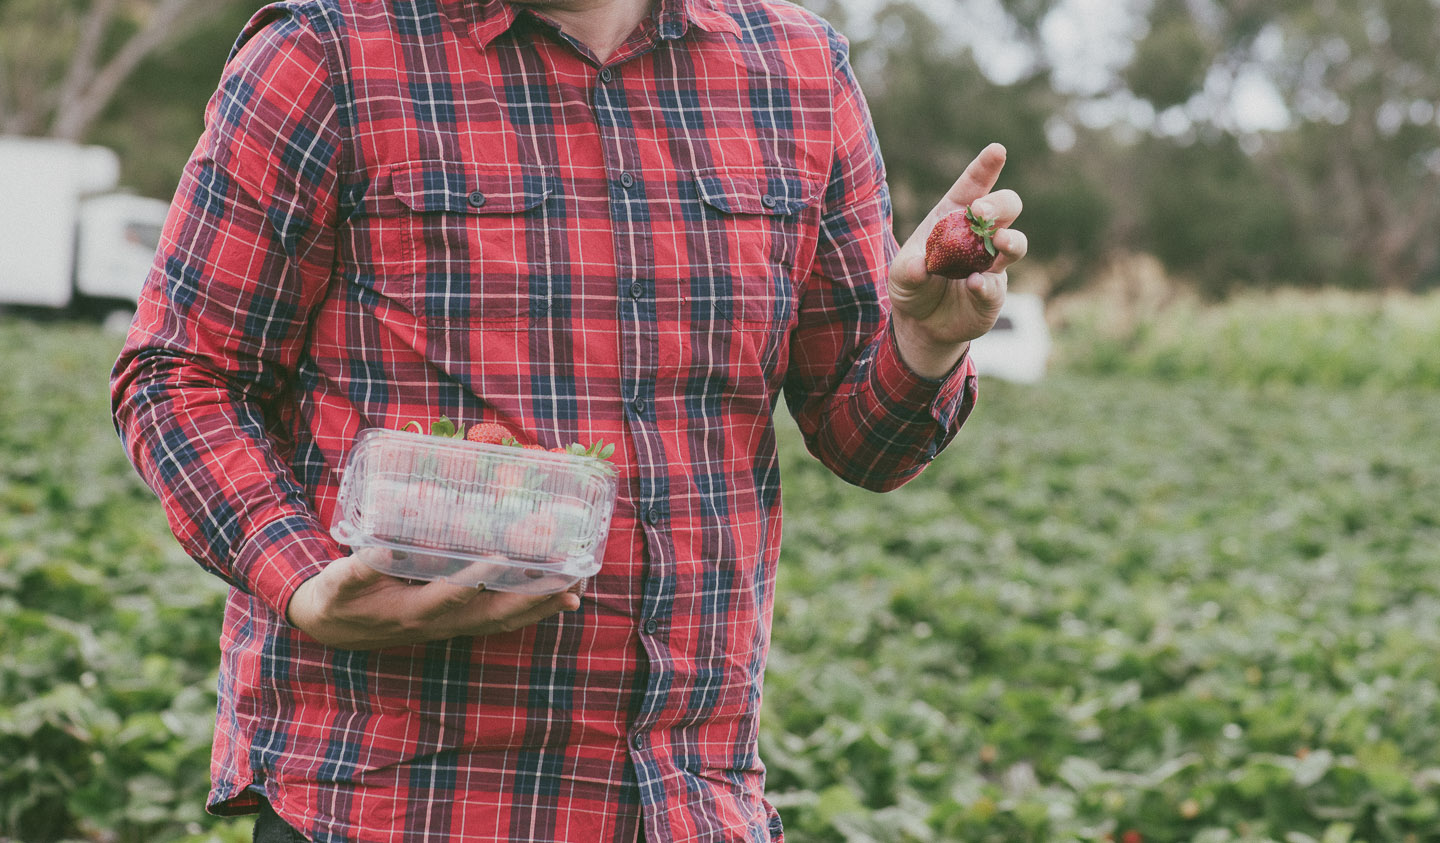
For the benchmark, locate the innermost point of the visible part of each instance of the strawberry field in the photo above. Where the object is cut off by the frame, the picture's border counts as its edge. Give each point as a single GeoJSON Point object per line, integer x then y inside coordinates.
{"type": "Point", "coordinates": [1138, 602]}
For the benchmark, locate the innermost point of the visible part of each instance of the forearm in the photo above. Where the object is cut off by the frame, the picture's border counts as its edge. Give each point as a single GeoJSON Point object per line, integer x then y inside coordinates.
{"type": "Point", "coordinates": [233, 505]}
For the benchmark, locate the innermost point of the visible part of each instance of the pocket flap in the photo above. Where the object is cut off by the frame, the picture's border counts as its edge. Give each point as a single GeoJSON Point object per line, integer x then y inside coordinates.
{"type": "Point", "coordinates": [769, 191]}
{"type": "Point", "coordinates": [471, 188]}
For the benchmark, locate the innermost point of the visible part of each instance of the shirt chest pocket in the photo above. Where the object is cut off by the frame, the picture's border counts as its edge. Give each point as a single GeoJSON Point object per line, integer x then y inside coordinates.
{"type": "Point", "coordinates": [465, 237]}
{"type": "Point", "coordinates": [751, 239]}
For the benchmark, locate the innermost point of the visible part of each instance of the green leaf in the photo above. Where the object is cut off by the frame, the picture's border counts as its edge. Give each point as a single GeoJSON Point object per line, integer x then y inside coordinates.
{"type": "Point", "coordinates": [445, 427]}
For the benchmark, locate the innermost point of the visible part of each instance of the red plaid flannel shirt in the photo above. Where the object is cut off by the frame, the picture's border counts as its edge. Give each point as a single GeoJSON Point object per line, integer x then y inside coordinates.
{"type": "Point", "coordinates": [401, 210]}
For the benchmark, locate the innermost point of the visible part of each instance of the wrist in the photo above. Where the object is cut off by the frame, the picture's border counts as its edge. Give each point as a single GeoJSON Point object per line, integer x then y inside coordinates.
{"type": "Point", "coordinates": [926, 357]}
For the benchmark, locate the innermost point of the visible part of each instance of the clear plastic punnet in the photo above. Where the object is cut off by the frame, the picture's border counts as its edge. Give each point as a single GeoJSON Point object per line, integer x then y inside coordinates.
{"type": "Point", "coordinates": [507, 518]}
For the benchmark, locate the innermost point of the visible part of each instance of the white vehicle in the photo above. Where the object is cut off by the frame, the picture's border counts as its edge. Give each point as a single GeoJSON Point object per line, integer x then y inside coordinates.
{"type": "Point", "coordinates": [68, 239]}
{"type": "Point", "coordinates": [1018, 347]}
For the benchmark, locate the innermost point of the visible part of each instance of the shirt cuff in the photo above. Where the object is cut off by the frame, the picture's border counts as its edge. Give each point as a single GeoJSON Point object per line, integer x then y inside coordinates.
{"type": "Point", "coordinates": [281, 555]}
{"type": "Point", "coordinates": [945, 399]}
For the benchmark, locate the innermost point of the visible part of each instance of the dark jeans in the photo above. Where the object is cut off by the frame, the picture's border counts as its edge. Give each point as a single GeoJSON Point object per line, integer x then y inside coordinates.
{"type": "Point", "coordinates": [269, 828]}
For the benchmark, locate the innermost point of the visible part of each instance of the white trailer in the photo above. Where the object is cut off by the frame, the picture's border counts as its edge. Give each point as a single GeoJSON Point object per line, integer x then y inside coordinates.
{"type": "Point", "coordinates": [67, 236]}
{"type": "Point", "coordinates": [1017, 349]}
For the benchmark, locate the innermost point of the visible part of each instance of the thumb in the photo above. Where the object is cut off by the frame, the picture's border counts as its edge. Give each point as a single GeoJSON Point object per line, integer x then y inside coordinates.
{"type": "Point", "coordinates": [339, 578]}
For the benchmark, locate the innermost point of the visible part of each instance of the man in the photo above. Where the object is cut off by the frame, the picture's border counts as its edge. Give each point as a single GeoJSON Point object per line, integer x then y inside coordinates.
{"type": "Point", "coordinates": [583, 219]}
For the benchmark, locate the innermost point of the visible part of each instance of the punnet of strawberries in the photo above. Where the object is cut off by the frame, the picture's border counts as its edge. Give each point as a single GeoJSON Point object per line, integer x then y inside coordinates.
{"type": "Point", "coordinates": [508, 507]}
{"type": "Point", "coordinates": [493, 433]}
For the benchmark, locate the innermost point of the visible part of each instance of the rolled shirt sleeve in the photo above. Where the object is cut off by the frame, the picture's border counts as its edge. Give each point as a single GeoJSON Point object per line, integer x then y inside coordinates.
{"type": "Point", "coordinates": [198, 389]}
{"type": "Point", "coordinates": [862, 411]}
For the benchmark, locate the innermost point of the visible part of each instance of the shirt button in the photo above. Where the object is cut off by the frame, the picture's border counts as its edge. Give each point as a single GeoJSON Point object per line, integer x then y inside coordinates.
{"type": "Point", "coordinates": [652, 515]}
{"type": "Point", "coordinates": [638, 405]}
{"type": "Point", "coordinates": [651, 625]}
{"type": "Point", "coordinates": [606, 75]}
{"type": "Point", "coordinates": [636, 290]}
{"type": "Point", "coordinates": [476, 199]}
{"type": "Point", "coordinates": [767, 200]}
{"type": "Point", "coordinates": [627, 181]}
{"type": "Point", "coordinates": [637, 741]}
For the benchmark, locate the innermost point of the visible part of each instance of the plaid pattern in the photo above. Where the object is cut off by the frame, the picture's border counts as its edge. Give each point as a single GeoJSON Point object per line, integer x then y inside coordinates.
{"type": "Point", "coordinates": [411, 208]}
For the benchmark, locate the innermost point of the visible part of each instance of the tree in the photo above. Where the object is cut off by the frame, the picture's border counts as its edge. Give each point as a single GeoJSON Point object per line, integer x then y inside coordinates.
{"type": "Point", "coordinates": [63, 61]}
{"type": "Point", "coordinates": [1359, 163]}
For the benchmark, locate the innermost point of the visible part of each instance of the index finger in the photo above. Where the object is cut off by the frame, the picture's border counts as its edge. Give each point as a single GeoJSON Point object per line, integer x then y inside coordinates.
{"type": "Point", "coordinates": [978, 179]}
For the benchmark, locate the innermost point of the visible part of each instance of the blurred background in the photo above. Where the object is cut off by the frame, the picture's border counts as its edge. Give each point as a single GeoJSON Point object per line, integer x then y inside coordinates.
{"type": "Point", "coordinates": [1177, 579]}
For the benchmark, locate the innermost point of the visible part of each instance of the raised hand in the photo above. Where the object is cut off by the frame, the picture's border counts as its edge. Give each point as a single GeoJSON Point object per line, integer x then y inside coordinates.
{"type": "Point", "coordinates": [935, 317]}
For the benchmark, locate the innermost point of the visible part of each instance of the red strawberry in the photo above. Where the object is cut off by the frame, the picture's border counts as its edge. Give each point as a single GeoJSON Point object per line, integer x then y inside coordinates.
{"type": "Point", "coordinates": [489, 432]}
{"type": "Point", "coordinates": [960, 244]}
{"type": "Point", "coordinates": [533, 536]}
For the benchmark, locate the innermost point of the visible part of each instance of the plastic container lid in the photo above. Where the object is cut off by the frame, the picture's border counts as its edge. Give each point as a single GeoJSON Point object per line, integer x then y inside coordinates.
{"type": "Point", "coordinates": [507, 518]}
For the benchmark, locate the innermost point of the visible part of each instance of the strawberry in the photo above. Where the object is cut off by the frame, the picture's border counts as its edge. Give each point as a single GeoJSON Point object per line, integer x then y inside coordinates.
{"type": "Point", "coordinates": [489, 433]}
{"type": "Point", "coordinates": [533, 536]}
{"type": "Point", "coordinates": [960, 244]}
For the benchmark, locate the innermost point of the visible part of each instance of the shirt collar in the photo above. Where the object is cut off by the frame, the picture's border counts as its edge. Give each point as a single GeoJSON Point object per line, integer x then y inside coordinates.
{"type": "Point", "coordinates": [676, 15]}
{"type": "Point", "coordinates": [492, 17]}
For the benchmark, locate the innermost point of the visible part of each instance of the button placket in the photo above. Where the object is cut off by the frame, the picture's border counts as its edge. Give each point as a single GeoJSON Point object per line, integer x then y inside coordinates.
{"type": "Point", "coordinates": [635, 276]}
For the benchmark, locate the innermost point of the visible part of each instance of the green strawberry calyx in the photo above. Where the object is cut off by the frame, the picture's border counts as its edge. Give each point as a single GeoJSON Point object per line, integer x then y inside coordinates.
{"type": "Point", "coordinates": [983, 228]}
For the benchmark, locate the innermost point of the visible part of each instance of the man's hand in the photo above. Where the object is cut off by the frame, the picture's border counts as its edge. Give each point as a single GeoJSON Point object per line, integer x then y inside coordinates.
{"type": "Point", "coordinates": [936, 317]}
{"type": "Point", "coordinates": [353, 606]}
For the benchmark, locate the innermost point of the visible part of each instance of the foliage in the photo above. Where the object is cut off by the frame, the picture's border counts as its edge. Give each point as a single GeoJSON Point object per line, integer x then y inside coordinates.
{"type": "Point", "coordinates": [107, 678]}
{"type": "Point", "coordinates": [1171, 61]}
{"type": "Point", "coordinates": [1204, 609]}
{"type": "Point", "coordinates": [62, 61]}
{"type": "Point", "coordinates": [1200, 609]}
{"type": "Point", "coordinates": [1216, 215]}
{"type": "Point", "coordinates": [1359, 163]}
{"type": "Point", "coordinates": [1332, 339]}
{"type": "Point", "coordinates": [157, 116]}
